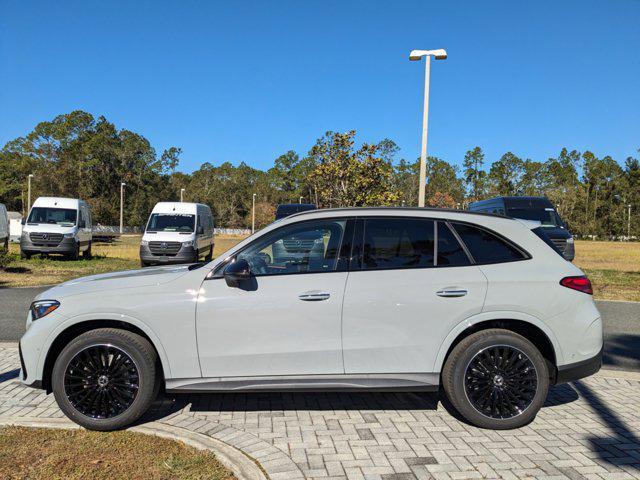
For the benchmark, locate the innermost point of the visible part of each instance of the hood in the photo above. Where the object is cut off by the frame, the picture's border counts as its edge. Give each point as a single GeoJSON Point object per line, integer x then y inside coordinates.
{"type": "Point", "coordinates": [116, 280]}
{"type": "Point", "coordinates": [48, 227]}
{"type": "Point", "coordinates": [168, 237]}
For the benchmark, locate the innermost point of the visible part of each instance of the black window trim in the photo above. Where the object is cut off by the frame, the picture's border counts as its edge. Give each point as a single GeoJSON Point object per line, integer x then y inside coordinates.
{"type": "Point", "coordinates": [355, 260]}
{"type": "Point", "coordinates": [218, 271]}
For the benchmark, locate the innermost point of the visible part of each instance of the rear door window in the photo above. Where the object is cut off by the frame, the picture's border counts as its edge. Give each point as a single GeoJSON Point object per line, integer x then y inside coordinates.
{"type": "Point", "coordinates": [450, 252]}
{"type": "Point", "coordinates": [485, 247]}
{"type": "Point", "coordinates": [391, 243]}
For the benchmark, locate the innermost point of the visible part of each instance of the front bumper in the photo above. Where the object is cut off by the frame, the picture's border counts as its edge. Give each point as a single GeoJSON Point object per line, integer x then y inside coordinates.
{"type": "Point", "coordinates": [66, 246]}
{"type": "Point", "coordinates": [578, 370]}
{"type": "Point", "coordinates": [184, 255]}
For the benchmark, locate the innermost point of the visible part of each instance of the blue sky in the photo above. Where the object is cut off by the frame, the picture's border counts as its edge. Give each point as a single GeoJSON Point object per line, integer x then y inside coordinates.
{"type": "Point", "coordinates": [246, 81]}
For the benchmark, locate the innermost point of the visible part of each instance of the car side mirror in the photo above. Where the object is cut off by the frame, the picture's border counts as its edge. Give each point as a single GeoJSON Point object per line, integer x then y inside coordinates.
{"type": "Point", "coordinates": [237, 272]}
{"type": "Point", "coordinates": [23, 221]}
{"type": "Point", "coordinates": [200, 230]}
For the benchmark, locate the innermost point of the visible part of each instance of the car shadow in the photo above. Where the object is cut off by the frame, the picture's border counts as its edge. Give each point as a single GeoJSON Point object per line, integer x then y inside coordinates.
{"type": "Point", "coordinates": [622, 350]}
{"type": "Point", "coordinates": [620, 448]}
{"type": "Point", "coordinates": [169, 403]}
{"type": "Point", "coordinates": [10, 375]}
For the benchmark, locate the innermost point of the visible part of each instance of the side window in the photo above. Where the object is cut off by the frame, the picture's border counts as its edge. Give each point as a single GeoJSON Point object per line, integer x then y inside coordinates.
{"type": "Point", "coordinates": [486, 247]}
{"type": "Point", "coordinates": [450, 252]}
{"type": "Point", "coordinates": [398, 243]}
{"type": "Point", "coordinates": [81, 216]}
{"type": "Point", "coordinates": [309, 247]}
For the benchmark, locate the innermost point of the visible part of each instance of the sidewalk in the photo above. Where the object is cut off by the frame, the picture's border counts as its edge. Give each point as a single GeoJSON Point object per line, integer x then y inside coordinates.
{"type": "Point", "coordinates": [588, 429]}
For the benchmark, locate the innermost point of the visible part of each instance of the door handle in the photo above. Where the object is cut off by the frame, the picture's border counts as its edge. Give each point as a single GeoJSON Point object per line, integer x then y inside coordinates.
{"type": "Point", "coordinates": [451, 293]}
{"type": "Point", "coordinates": [314, 296]}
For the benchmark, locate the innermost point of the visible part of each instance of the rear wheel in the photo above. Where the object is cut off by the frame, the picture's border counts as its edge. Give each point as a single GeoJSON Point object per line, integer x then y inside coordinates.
{"type": "Point", "coordinates": [105, 379]}
{"type": "Point", "coordinates": [496, 379]}
{"type": "Point", "coordinates": [6, 244]}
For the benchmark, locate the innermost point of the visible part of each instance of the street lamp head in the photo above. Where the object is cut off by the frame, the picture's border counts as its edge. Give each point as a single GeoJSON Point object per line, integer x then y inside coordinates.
{"type": "Point", "coordinates": [31, 175]}
{"type": "Point", "coordinates": [439, 54]}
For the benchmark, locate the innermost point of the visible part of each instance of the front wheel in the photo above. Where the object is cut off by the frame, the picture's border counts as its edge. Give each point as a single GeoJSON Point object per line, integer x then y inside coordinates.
{"type": "Point", "coordinates": [496, 379]}
{"type": "Point", "coordinates": [75, 254]}
{"type": "Point", "coordinates": [105, 379]}
{"type": "Point", "coordinates": [87, 253]}
{"type": "Point", "coordinates": [209, 255]}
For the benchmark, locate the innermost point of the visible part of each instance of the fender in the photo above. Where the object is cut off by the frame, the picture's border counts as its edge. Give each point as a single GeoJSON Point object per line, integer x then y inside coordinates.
{"type": "Point", "coordinates": [70, 321]}
{"type": "Point", "coordinates": [495, 315]}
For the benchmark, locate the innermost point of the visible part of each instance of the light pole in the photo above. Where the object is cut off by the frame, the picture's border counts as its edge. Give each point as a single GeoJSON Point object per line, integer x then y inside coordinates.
{"type": "Point", "coordinates": [416, 55]}
{"type": "Point", "coordinates": [122, 185]}
{"type": "Point", "coordinates": [182, 195]}
{"type": "Point", "coordinates": [300, 199]}
{"type": "Point", "coordinates": [629, 223]}
{"type": "Point", "coordinates": [29, 194]}
{"type": "Point", "coordinates": [253, 214]}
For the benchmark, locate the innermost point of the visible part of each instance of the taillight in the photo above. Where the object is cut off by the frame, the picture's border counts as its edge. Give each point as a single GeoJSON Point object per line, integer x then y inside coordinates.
{"type": "Point", "coordinates": [582, 284]}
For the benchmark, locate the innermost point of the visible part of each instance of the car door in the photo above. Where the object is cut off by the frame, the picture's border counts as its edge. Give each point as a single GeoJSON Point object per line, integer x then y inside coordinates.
{"type": "Point", "coordinates": [411, 282]}
{"type": "Point", "coordinates": [287, 319]}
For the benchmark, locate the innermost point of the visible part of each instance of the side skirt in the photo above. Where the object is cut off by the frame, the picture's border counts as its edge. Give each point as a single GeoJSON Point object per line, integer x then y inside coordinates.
{"type": "Point", "coordinates": [395, 382]}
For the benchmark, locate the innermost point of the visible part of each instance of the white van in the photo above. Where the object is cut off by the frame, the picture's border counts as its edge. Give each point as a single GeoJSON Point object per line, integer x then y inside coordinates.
{"type": "Point", "coordinates": [57, 225]}
{"type": "Point", "coordinates": [177, 232]}
{"type": "Point", "coordinates": [4, 228]}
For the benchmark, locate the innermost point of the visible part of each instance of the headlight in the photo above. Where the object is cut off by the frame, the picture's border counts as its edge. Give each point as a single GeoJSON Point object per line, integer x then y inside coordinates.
{"type": "Point", "coordinates": [42, 308]}
{"type": "Point", "coordinates": [187, 244]}
{"type": "Point", "coordinates": [144, 243]}
{"type": "Point", "coordinates": [570, 240]}
{"type": "Point", "coordinates": [69, 235]}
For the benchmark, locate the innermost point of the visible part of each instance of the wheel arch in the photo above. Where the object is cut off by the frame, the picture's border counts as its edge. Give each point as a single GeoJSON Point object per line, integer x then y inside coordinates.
{"type": "Point", "coordinates": [530, 328]}
{"type": "Point", "coordinates": [62, 338]}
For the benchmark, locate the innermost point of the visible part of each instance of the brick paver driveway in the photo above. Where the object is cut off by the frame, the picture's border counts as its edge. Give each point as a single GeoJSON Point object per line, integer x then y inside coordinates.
{"type": "Point", "coordinates": [588, 429]}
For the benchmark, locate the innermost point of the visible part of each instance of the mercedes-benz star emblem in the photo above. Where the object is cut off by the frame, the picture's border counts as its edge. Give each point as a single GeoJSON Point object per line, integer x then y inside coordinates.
{"type": "Point", "coordinates": [45, 236]}
{"type": "Point", "coordinates": [163, 245]}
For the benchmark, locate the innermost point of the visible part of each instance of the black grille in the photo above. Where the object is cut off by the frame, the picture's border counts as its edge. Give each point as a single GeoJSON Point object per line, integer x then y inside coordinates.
{"type": "Point", "coordinates": [298, 244]}
{"type": "Point", "coordinates": [165, 248]}
{"type": "Point", "coordinates": [44, 238]}
{"type": "Point", "coordinates": [560, 243]}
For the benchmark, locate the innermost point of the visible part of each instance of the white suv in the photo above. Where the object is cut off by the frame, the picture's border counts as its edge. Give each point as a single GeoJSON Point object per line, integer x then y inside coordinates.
{"type": "Point", "coordinates": [371, 299]}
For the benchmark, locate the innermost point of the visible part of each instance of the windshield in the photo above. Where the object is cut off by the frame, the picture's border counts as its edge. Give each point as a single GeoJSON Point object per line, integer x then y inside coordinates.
{"type": "Point", "coordinates": [60, 216]}
{"type": "Point", "coordinates": [171, 222]}
{"type": "Point", "coordinates": [546, 216]}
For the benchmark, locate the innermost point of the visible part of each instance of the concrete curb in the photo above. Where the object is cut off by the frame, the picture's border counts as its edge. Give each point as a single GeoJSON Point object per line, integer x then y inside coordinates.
{"type": "Point", "coordinates": [243, 466]}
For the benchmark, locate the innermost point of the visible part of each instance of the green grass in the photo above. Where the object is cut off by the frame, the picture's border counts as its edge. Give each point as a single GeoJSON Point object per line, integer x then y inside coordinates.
{"type": "Point", "coordinates": [48, 454]}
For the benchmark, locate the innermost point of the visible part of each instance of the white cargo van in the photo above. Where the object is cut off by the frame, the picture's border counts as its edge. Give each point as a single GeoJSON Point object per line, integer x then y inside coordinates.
{"type": "Point", "coordinates": [57, 225]}
{"type": "Point", "coordinates": [177, 232]}
{"type": "Point", "coordinates": [4, 228]}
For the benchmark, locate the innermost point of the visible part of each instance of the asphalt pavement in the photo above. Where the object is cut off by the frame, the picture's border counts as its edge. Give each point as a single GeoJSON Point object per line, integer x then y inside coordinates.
{"type": "Point", "coordinates": [621, 325]}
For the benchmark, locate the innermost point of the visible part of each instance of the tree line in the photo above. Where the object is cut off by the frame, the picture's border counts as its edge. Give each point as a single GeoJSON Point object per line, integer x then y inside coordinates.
{"type": "Point", "coordinates": [77, 155]}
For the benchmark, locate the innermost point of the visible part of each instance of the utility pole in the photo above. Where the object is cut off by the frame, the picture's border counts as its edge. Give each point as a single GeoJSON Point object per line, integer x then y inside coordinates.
{"type": "Point", "coordinates": [253, 214]}
{"type": "Point", "coordinates": [29, 194]}
{"type": "Point", "coordinates": [122, 185]}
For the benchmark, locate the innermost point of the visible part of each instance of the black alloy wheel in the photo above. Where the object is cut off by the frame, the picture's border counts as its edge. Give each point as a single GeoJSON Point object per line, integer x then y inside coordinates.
{"type": "Point", "coordinates": [101, 381]}
{"type": "Point", "coordinates": [106, 379]}
{"type": "Point", "coordinates": [501, 382]}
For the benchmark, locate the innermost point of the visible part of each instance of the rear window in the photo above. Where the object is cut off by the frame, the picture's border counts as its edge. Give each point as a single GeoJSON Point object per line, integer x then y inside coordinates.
{"type": "Point", "coordinates": [398, 243]}
{"type": "Point", "coordinates": [486, 247]}
{"type": "Point", "coordinates": [545, 238]}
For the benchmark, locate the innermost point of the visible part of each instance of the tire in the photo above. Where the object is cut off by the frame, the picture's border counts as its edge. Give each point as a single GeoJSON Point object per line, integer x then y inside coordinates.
{"type": "Point", "coordinates": [87, 253]}
{"type": "Point", "coordinates": [209, 255]}
{"type": "Point", "coordinates": [144, 264]}
{"type": "Point", "coordinates": [75, 255]}
{"type": "Point", "coordinates": [25, 255]}
{"type": "Point", "coordinates": [6, 244]}
{"type": "Point", "coordinates": [81, 383]}
{"type": "Point", "coordinates": [519, 385]}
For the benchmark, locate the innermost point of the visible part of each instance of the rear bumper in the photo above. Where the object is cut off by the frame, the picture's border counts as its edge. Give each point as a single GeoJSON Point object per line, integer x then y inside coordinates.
{"type": "Point", "coordinates": [578, 370]}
